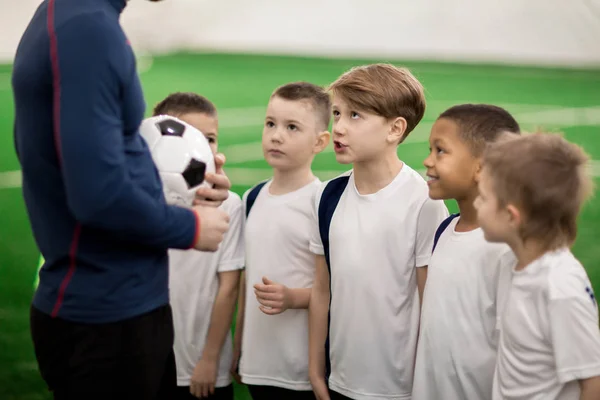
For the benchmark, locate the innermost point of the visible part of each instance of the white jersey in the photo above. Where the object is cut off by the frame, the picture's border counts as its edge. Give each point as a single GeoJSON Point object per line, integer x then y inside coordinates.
{"type": "Point", "coordinates": [275, 347]}
{"type": "Point", "coordinates": [467, 283]}
{"type": "Point", "coordinates": [194, 283]}
{"type": "Point", "coordinates": [376, 243]}
{"type": "Point", "coordinates": [549, 335]}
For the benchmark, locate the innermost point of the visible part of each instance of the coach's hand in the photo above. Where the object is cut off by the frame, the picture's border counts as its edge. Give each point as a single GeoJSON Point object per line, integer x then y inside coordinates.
{"type": "Point", "coordinates": [214, 222]}
{"type": "Point", "coordinates": [215, 196]}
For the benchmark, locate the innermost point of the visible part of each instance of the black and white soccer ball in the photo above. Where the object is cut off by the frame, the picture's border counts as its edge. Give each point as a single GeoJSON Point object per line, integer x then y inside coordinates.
{"type": "Point", "coordinates": [182, 156]}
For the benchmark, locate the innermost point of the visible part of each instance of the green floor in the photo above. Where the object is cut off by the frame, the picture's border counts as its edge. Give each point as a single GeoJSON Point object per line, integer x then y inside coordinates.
{"type": "Point", "coordinates": [240, 86]}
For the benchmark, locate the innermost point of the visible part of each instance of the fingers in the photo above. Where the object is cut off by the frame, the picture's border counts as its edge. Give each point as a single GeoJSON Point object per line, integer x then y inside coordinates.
{"type": "Point", "coordinates": [219, 162]}
{"type": "Point", "coordinates": [271, 311]}
{"type": "Point", "coordinates": [267, 288]}
{"type": "Point", "coordinates": [202, 389]}
{"type": "Point", "coordinates": [220, 181]}
{"type": "Point", "coordinates": [195, 389]}
{"type": "Point", "coordinates": [212, 196]}
{"type": "Point", "coordinates": [272, 296]}
{"type": "Point", "coordinates": [267, 281]}
{"type": "Point", "coordinates": [271, 303]}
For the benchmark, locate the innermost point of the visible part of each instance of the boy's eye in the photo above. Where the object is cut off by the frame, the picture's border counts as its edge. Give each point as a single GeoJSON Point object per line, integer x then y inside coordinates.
{"type": "Point", "coordinates": [292, 127]}
{"type": "Point", "coordinates": [439, 150]}
{"type": "Point", "coordinates": [336, 113]}
{"type": "Point", "coordinates": [354, 115]}
{"type": "Point", "coordinates": [269, 124]}
{"type": "Point", "coordinates": [211, 140]}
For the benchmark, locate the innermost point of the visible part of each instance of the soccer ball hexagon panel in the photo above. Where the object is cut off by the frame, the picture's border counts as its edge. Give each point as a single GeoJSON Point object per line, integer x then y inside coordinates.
{"type": "Point", "coordinates": [182, 156]}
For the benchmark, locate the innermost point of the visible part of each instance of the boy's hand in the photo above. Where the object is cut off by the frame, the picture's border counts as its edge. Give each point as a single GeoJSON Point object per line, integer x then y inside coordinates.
{"type": "Point", "coordinates": [204, 378]}
{"type": "Point", "coordinates": [273, 297]}
{"type": "Point", "coordinates": [235, 364]}
{"type": "Point", "coordinates": [214, 222]}
{"type": "Point", "coordinates": [216, 195]}
{"type": "Point", "coordinates": [319, 388]}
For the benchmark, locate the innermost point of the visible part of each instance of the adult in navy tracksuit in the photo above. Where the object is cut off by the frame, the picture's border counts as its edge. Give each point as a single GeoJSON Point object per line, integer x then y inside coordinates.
{"type": "Point", "coordinates": [100, 319]}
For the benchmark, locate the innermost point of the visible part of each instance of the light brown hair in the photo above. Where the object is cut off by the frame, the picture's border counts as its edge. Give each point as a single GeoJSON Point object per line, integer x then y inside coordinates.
{"type": "Point", "coordinates": [315, 95]}
{"type": "Point", "coordinates": [481, 124]}
{"type": "Point", "coordinates": [384, 90]}
{"type": "Point", "coordinates": [183, 103]}
{"type": "Point", "coordinates": [546, 178]}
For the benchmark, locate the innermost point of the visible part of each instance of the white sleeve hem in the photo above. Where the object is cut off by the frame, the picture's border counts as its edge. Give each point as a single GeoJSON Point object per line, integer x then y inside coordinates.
{"type": "Point", "coordinates": [231, 265]}
{"type": "Point", "coordinates": [583, 372]}
{"type": "Point", "coordinates": [316, 249]}
{"type": "Point", "coordinates": [423, 261]}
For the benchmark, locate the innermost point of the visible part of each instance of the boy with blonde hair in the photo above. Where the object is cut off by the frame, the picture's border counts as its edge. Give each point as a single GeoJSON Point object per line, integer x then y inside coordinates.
{"type": "Point", "coordinates": [272, 325]}
{"type": "Point", "coordinates": [204, 286]}
{"type": "Point", "coordinates": [467, 276]}
{"type": "Point", "coordinates": [373, 232]}
{"type": "Point", "coordinates": [531, 191]}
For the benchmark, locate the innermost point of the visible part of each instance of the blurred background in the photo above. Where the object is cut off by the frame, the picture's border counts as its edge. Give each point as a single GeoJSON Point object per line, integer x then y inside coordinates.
{"type": "Point", "coordinates": [540, 59]}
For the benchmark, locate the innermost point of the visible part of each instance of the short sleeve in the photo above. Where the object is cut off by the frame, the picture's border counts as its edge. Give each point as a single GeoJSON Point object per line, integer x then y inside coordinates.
{"type": "Point", "coordinates": [232, 248]}
{"type": "Point", "coordinates": [575, 334]}
{"type": "Point", "coordinates": [315, 244]}
{"type": "Point", "coordinates": [431, 215]}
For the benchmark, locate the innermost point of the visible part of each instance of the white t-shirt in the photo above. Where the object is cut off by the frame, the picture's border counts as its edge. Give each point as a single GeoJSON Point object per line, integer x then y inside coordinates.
{"type": "Point", "coordinates": [194, 283]}
{"type": "Point", "coordinates": [549, 335]}
{"type": "Point", "coordinates": [275, 347]}
{"type": "Point", "coordinates": [467, 283]}
{"type": "Point", "coordinates": [376, 243]}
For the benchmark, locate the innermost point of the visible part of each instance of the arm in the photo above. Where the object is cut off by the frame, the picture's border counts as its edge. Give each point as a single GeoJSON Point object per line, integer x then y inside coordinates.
{"type": "Point", "coordinates": [317, 324]}
{"type": "Point", "coordinates": [590, 388]}
{"type": "Point", "coordinates": [205, 373]}
{"type": "Point", "coordinates": [89, 135]}
{"type": "Point", "coordinates": [204, 377]}
{"type": "Point", "coordinates": [421, 279]}
{"type": "Point", "coordinates": [239, 329]}
{"type": "Point", "coordinates": [222, 315]}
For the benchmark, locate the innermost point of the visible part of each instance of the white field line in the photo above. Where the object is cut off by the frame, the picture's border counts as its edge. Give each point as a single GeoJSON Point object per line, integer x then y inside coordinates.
{"type": "Point", "coordinates": [247, 117]}
{"type": "Point", "coordinates": [248, 176]}
{"type": "Point", "coordinates": [531, 117]}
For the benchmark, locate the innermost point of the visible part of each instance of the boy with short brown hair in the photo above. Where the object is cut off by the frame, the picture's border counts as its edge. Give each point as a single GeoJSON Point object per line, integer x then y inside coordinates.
{"type": "Point", "coordinates": [373, 230]}
{"type": "Point", "coordinates": [204, 286]}
{"type": "Point", "coordinates": [272, 323]}
{"type": "Point", "coordinates": [532, 189]}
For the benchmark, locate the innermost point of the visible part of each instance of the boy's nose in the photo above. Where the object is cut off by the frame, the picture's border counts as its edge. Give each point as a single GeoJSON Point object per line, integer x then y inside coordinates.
{"type": "Point", "coordinates": [428, 162]}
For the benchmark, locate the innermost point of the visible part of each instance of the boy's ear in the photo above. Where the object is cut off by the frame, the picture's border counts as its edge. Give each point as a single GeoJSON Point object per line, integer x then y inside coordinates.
{"type": "Point", "coordinates": [397, 131]}
{"type": "Point", "coordinates": [478, 168]}
{"type": "Point", "coordinates": [322, 141]}
{"type": "Point", "coordinates": [515, 218]}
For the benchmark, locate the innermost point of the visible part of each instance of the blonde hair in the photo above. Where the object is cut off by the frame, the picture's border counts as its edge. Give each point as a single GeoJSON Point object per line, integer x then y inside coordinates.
{"type": "Point", "coordinates": [546, 177]}
{"type": "Point", "coordinates": [385, 90]}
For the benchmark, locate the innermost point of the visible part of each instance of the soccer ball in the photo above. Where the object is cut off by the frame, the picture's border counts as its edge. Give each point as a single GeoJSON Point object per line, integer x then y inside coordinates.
{"type": "Point", "coordinates": [182, 156]}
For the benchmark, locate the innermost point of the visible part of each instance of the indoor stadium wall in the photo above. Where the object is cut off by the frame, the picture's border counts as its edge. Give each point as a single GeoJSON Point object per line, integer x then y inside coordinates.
{"type": "Point", "coordinates": [534, 32]}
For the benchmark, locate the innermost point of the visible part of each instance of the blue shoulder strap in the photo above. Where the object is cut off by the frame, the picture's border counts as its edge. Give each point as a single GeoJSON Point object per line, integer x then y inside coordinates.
{"type": "Point", "coordinates": [442, 228]}
{"type": "Point", "coordinates": [252, 196]}
{"type": "Point", "coordinates": [329, 201]}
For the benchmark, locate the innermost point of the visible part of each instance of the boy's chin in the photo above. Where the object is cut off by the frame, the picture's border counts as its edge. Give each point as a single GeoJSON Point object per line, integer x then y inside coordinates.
{"type": "Point", "coordinates": [438, 195]}
{"type": "Point", "coordinates": [343, 159]}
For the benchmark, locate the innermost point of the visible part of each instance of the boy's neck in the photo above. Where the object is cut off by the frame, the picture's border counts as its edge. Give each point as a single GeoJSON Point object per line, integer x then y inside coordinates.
{"type": "Point", "coordinates": [468, 214]}
{"type": "Point", "coordinates": [527, 252]}
{"type": "Point", "coordinates": [287, 181]}
{"type": "Point", "coordinates": [372, 176]}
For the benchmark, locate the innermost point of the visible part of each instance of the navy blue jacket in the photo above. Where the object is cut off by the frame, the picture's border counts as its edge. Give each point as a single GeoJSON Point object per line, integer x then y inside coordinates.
{"type": "Point", "coordinates": [92, 191]}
